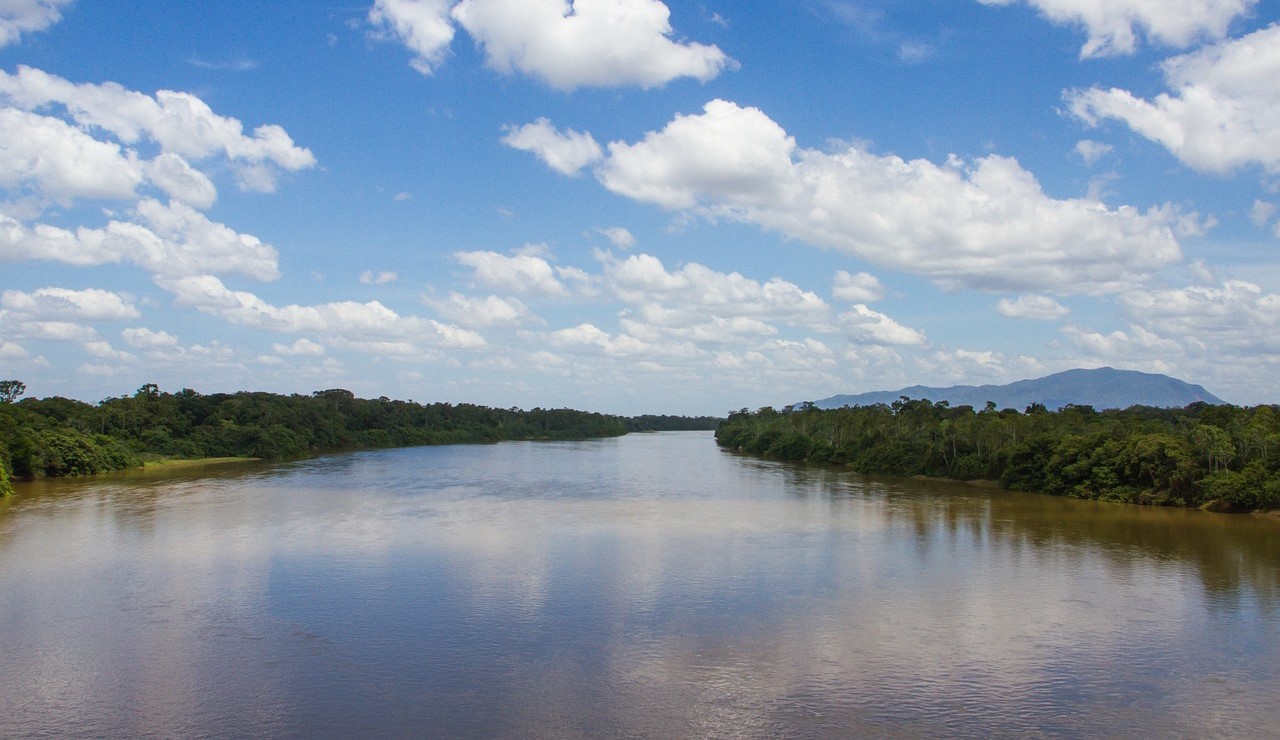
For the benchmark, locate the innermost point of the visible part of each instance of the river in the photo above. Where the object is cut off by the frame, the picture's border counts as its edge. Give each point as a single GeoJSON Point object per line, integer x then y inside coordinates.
{"type": "Point", "coordinates": [646, 586]}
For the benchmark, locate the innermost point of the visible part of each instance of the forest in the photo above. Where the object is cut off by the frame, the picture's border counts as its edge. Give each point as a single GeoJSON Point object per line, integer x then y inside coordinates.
{"type": "Point", "coordinates": [58, 436]}
{"type": "Point", "coordinates": [1215, 456]}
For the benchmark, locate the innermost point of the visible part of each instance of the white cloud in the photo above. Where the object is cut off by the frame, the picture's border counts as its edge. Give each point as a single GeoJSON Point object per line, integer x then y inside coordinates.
{"type": "Point", "coordinates": [861, 288]}
{"type": "Point", "coordinates": [55, 331]}
{"type": "Point", "coordinates": [1032, 306]}
{"type": "Point", "coordinates": [61, 162]}
{"type": "Point", "coordinates": [1261, 212]}
{"type": "Point", "coordinates": [368, 277]}
{"type": "Point", "coordinates": [180, 123]}
{"type": "Point", "coordinates": [1134, 346]}
{"type": "Point", "coordinates": [98, 371]}
{"type": "Point", "coordinates": [102, 350]}
{"type": "Point", "coordinates": [177, 240]}
{"type": "Point", "coordinates": [1113, 25]}
{"type": "Point", "coordinates": [642, 278]}
{"type": "Point", "coordinates": [592, 339]}
{"type": "Point", "coordinates": [967, 364]}
{"type": "Point", "coordinates": [1236, 319]}
{"type": "Point", "coordinates": [300, 348]}
{"type": "Point", "coordinates": [345, 320]}
{"type": "Point", "coordinates": [47, 304]}
{"type": "Point", "coordinates": [618, 237]}
{"type": "Point", "coordinates": [25, 16]}
{"type": "Point", "coordinates": [480, 313]}
{"type": "Point", "coordinates": [872, 326]}
{"type": "Point", "coordinates": [1223, 111]}
{"type": "Point", "coordinates": [1092, 151]}
{"type": "Point", "coordinates": [985, 224]}
{"type": "Point", "coordinates": [11, 351]}
{"type": "Point", "coordinates": [423, 25]}
{"type": "Point", "coordinates": [727, 154]}
{"type": "Point", "coordinates": [144, 338]}
{"type": "Point", "coordinates": [522, 273]}
{"type": "Point", "coordinates": [566, 153]}
{"type": "Point", "coordinates": [586, 43]}
{"type": "Point", "coordinates": [181, 181]}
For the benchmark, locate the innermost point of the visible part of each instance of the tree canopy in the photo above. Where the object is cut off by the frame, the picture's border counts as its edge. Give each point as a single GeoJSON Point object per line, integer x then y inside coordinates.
{"type": "Point", "coordinates": [1202, 454]}
{"type": "Point", "coordinates": [58, 436]}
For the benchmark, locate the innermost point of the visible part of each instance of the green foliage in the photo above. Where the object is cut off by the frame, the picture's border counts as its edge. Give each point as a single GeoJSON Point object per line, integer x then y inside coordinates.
{"type": "Point", "coordinates": [11, 390]}
{"type": "Point", "coordinates": [59, 436]}
{"type": "Point", "coordinates": [664, 423]}
{"type": "Point", "coordinates": [1181, 457]}
{"type": "Point", "coordinates": [6, 488]}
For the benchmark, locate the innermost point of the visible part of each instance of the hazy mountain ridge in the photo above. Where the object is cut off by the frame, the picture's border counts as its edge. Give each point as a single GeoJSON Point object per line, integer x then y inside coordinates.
{"type": "Point", "coordinates": [1102, 388]}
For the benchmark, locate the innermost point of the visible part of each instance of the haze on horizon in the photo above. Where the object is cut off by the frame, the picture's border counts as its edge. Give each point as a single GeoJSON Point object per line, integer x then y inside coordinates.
{"type": "Point", "coordinates": [634, 206]}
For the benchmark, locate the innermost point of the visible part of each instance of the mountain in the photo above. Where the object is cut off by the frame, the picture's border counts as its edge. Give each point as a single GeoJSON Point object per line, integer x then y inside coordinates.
{"type": "Point", "coordinates": [1102, 388]}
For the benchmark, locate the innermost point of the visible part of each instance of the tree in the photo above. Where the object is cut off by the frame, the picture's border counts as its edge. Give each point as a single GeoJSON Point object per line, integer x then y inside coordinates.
{"type": "Point", "coordinates": [11, 390]}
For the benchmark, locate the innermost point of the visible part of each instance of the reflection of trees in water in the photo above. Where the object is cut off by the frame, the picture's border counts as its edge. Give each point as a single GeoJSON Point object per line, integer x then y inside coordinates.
{"type": "Point", "coordinates": [1234, 556]}
{"type": "Point", "coordinates": [132, 500]}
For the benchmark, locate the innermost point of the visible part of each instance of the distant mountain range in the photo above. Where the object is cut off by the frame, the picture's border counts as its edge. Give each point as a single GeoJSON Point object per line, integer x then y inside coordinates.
{"type": "Point", "coordinates": [1102, 388]}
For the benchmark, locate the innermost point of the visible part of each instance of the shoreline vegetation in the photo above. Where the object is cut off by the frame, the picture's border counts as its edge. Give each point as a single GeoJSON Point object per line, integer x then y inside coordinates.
{"type": "Point", "coordinates": [1216, 457]}
{"type": "Point", "coordinates": [62, 437]}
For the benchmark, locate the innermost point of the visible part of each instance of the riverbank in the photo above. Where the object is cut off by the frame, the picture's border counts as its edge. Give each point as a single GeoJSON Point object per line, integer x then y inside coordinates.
{"type": "Point", "coordinates": [174, 464]}
{"type": "Point", "coordinates": [1201, 456]}
{"type": "Point", "coordinates": [60, 437]}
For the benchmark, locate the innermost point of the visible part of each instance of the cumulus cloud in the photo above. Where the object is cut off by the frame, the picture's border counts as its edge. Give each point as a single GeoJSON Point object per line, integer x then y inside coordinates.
{"type": "Point", "coordinates": [1113, 25]}
{"type": "Point", "coordinates": [983, 224]}
{"type": "Point", "coordinates": [524, 273]}
{"type": "Point", "coordinates": [566, 153]}
{"type": "Point", "coordinates": [173, 239]}
{"type": "Point", "coordinates": [26, 16]}
{"type": "Point", "coordinates": [1261, 212]}
{"type": "Point", "coordinates": [618, 237]}
{"type": "Point", "coordinates": [480, 313]}
{"type": "Point", "coordinates": [861, 288]}
{"type": "Point", "coordinates": [11, 351]}
{"type": "Point", "coordinates": [1092, 151]}
{"type": "Point", "coordinates": [174, 175]}
{"type": "Point", "coordinates": [566, 44]}
{"type": "Point", "coordinates": [422, 25]}
{"type": "Point", "coordinates": [368, 277]}
{"type": "Point", "coordinates": [872, 326]}
{"type": "Point", "coordinates": [1032, 306]}
{"type": "Point", "coordinates": [590, 338]}
{"type": "Point", "coordinates": [143, 338]}
{"type": "Point", "coordinates": [586, 43]}
{"type": "Point", "coordinates": [64, 304]}
{"type": "Point", "coordinates": [1222, 112]}
{"type": "Point", "coordinates": [58, 161]}
{"type": "Point", "coordinates": [300, 348]}
{"type": "Point", "coordinates": [347, 321]}
{"type": "Point", "coordinates": [642, 278]}
{"type": "Point", "coordinates": [1138, 345]}
{"type": "Point", "coordinates": [1236, 318]}
{"type": "Point", "coordinates": [55, 331]}
{"type": "Point", "coordinates": [102, 350]}
{"type": "Point", "coordinates": [178, 122]}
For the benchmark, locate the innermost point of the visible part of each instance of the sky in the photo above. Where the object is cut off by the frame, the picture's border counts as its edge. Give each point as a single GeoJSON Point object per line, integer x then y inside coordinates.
{"type": "Point", "coordinates": [633, 206]}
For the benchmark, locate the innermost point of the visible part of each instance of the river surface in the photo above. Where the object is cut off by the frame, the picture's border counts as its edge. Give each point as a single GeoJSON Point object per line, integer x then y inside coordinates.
{"type": "Point", "coordinates": [646, 586]}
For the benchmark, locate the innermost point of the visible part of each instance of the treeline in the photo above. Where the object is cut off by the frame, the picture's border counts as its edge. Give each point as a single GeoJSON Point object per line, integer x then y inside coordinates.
{"type": "Point", "coordinates": [666, 423]}
{"type": "Point", "coordinates": [65, 437]}
{"type": "Point", "coordinates": [1225, 456]}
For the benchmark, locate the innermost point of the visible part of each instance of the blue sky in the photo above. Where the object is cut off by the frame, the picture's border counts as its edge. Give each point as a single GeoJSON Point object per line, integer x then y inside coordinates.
{"type": "Point", "coordinates": [634, 206]}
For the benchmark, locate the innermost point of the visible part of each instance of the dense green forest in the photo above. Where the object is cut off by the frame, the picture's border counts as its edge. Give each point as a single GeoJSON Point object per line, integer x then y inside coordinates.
{"type": "Point", "coordinates": [64, 437]}
{"type": "Point", "coordinates": [1224, 456]}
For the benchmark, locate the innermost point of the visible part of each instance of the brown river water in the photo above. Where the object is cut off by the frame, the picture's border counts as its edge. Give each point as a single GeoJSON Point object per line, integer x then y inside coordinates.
{"type": "Point", "coordinates": [646, 586]}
